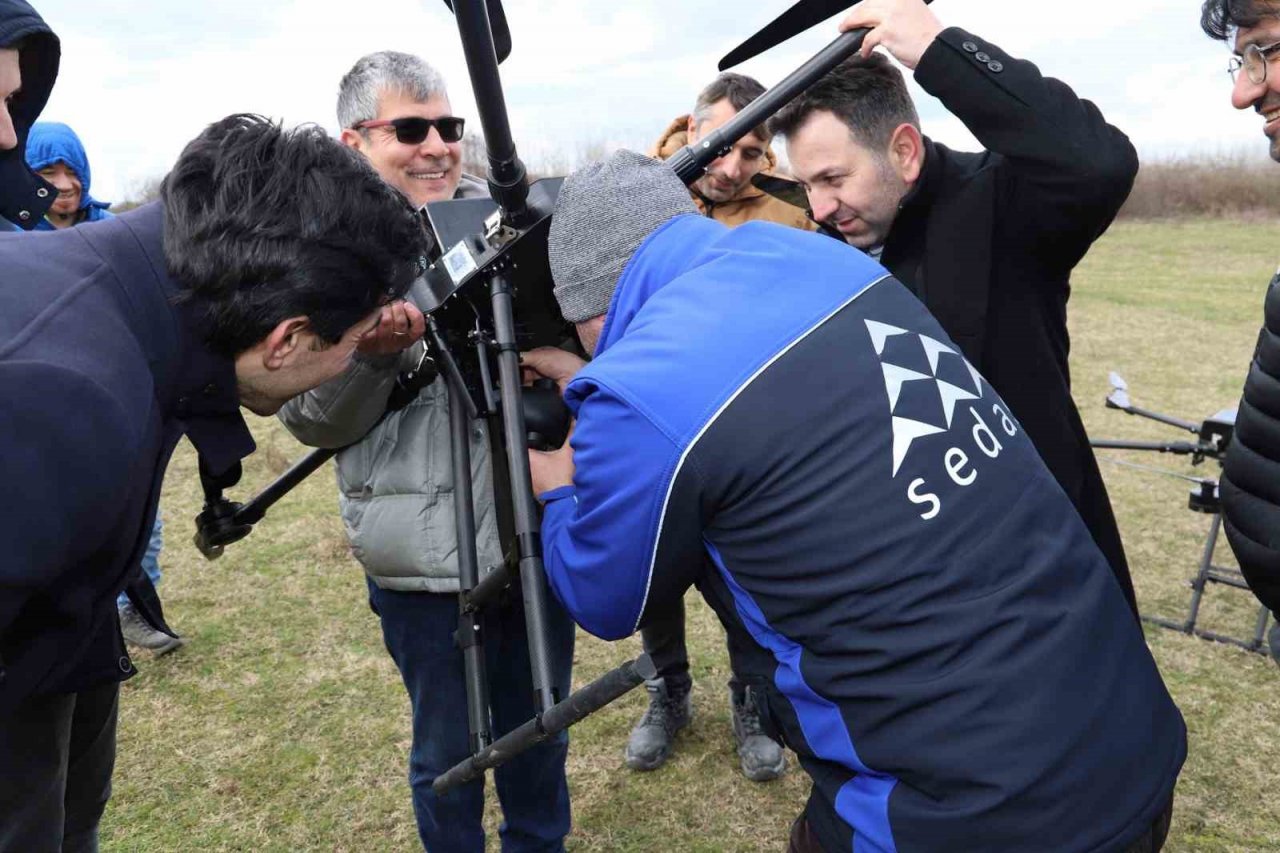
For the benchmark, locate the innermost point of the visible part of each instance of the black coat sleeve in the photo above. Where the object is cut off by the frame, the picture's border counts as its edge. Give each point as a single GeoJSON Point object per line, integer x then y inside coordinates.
{"type": "Point", "coordinates": [1251, 470]}
{"type": "Point", "coordinates": [1063, 171]}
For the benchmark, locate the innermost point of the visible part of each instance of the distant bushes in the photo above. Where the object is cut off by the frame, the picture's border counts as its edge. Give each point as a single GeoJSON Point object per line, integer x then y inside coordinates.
{"type": "Point", "coordinates": [1240, 185]}
{"type": "Point", "coordinates": [1231, 186]}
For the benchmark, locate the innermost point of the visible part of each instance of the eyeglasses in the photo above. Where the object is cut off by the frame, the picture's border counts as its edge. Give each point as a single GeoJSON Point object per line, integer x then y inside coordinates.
{"type": "Point", "coordinates": [412, 130]}
{"type": "Point", "coordinates": [1254, 62]}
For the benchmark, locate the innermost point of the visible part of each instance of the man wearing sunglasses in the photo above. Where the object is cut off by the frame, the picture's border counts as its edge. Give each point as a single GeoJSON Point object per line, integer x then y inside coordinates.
{"type": "Point", "coordinates": [1251, 470]}
{"type": "Point", "coordinates": [396, 498]}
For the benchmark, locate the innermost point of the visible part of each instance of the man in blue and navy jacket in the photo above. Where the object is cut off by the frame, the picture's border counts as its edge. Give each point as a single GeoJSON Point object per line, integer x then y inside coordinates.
{"type": "Point", "coordinates": [953, 660]}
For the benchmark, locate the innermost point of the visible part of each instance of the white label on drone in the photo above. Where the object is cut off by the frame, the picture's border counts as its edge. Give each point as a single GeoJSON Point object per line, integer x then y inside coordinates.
{"type": "Point", "coordinates": [459, 263]}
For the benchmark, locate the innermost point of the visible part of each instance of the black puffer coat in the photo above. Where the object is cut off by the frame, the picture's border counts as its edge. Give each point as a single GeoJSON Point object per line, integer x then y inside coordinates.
{"type": "Point", "coordinates": [1251, 471]}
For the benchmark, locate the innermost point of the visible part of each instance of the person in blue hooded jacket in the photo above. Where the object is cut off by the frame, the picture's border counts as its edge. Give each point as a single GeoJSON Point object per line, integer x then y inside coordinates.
{"type": "Point", "coordinates": [55, 153]}
{"type": "Point", "coordinates": [952, 659]}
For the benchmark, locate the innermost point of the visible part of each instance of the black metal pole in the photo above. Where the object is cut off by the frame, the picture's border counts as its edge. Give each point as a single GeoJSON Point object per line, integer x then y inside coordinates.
{"type": "Point", "coordinates": [470, 639]}
{"type": "Point", "coordinates": [691, 161]}
{"type": "Point", "coordinates": [255, 509]}
{"type": "Point", "coordinates": [507, 177]}
{"type": "Point", "coordinates": [556, 719]}
{"type": "Point", "coordinates": [533, 582]}
{"type": "Point", "coordinates": [1178, 447]}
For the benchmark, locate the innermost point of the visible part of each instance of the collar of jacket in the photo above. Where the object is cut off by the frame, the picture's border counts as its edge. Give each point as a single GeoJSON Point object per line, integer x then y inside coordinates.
{"type": "Point", "coordinates": [193, 384]}
{"type": "Point", "coordinates": [922, 192]}
{"type": "Point", "coordinates": [25, 196]}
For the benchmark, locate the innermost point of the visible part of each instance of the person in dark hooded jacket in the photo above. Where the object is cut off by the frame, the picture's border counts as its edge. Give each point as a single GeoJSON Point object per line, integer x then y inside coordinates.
{"type": "Point", "coordinates": [29, 56]}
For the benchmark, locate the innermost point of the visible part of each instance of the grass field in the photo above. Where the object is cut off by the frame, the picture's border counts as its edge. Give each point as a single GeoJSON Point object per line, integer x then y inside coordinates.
{"type": "Point", "coordinates": [283, 726]}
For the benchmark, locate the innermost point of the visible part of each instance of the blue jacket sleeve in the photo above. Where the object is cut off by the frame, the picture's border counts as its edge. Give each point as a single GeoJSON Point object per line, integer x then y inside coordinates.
{"type": "Point", "coordinates": [622, 522]}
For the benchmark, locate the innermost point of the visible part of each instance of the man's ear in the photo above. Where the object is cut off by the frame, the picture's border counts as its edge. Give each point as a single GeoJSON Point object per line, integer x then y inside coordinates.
{"type": "Point", "coordinates": [691, 127]}
{"type": "Point", "coordinates": [285, 341]}
{"type": "Point", "coordinates": [906, 152]}
{"type": "Point", "coordinates": [353, 139]}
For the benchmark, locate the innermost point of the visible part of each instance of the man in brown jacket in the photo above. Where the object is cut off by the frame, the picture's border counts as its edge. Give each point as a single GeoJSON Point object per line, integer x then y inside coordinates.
{"type": "Point", "coordinates": [725, 193]}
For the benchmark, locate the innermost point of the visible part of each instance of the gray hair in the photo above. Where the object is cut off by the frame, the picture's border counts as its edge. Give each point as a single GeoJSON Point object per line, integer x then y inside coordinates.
{"type": "Point", "coordinates": [387, 70]}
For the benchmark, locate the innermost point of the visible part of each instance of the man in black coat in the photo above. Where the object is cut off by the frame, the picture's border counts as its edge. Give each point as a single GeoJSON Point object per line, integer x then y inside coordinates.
{"type": "Point", "coordinates": [988, 240]}
{"type": "Point", "coordinates": [29, 55]}
{"type": "Point", "coordinates": [270, 256]}
{"type": "Point", "coordinates": [1251, 470]}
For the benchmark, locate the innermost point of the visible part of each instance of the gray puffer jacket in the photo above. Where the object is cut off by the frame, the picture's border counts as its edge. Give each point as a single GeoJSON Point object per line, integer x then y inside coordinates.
{"type": "Point", "coordinates": [395, 482]}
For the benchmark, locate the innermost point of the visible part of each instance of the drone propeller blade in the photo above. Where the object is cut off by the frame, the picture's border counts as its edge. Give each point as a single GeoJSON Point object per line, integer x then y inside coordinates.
{"type": "Point", "coordinates": [1119, 396]}
{"type": "Point", "coordinates": [800, 17]}
{"type": "Point", "coordinates": [797, 19]}
{"type": "Point", "coordinates": [498, 24]}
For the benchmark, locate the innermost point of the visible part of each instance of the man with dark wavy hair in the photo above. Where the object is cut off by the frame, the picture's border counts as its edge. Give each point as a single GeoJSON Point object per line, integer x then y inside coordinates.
{"type": "Point", "coordinates": [271, 255]}
{"type": "Point", "coordinates": [1251, 470]}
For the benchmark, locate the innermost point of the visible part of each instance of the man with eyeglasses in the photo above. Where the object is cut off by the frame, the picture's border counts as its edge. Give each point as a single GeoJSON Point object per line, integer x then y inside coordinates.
{"type": "Point", "coordinates": [1251, 471]}
{"type": "Point", "coordinates": [396, 496]}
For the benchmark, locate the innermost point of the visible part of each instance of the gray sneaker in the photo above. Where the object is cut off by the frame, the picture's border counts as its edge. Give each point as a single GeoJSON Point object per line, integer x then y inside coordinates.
{"type": "Point", "coordinates": [649, 746]}
{"type": "Point", "coordinates": [138, 632]}
{"type": "Point", "coordinates": [762, 757]}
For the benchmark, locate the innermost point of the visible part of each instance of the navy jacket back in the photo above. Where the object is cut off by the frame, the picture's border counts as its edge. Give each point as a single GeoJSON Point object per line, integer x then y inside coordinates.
{"type": "Point", "coordinates": [100, 375]}
{"type": "Point", "coordinates": [953, 660]}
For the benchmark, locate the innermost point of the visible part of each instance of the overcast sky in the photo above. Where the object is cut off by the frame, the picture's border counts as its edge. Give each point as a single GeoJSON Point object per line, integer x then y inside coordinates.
{"type": "Point", "coordinates": [141, 77]}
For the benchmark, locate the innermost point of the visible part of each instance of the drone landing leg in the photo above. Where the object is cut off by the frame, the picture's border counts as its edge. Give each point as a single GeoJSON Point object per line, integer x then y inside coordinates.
{"type": "Point", "coordinates": [1209, 573]}
{"type": "Point", "coordinates": [469, 637]}
{"type": "Point", "coordinates": [533, 582]}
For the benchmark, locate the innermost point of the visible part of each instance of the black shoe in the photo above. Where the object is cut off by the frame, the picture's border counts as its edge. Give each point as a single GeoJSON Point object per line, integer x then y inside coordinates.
{"type": "Point", "coordinates": [669, 711]}
{"type": "Point", "coordinates": [762, 757]}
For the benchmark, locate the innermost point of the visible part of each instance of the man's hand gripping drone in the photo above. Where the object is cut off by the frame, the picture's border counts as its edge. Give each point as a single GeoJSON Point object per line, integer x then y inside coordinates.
{"type": "Point", "coordinates": [488, 296]}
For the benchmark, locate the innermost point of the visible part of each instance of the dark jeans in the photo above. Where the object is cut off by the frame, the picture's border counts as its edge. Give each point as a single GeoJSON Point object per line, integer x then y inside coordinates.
{"type": "Point", "coordinates": [664, 642]}
{"type": "Point", "coordinates": [418, 630]}
{"type": "Point", "coordinates": [804, 841]}
{"type": "Point", "coordinates": [56, 757]}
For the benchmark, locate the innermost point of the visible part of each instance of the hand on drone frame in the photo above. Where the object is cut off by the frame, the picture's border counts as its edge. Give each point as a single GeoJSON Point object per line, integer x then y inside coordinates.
{"type": "Point", "coordinates": [550, 363]}
{"type": "Point", "coordinates": [905, 28]}
{"type": "Point", "coordinates": [400, 326]}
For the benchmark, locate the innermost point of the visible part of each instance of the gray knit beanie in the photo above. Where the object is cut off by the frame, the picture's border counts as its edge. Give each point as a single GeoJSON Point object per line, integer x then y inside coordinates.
{"type": "Point", "coordinates": [605, 211]}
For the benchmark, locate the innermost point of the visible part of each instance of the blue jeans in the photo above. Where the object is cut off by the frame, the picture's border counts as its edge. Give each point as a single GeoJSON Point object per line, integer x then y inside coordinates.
{"type": "Point", "coordinates": [418, 630]}
{"type": "Point", "coordinates": [150, 560]}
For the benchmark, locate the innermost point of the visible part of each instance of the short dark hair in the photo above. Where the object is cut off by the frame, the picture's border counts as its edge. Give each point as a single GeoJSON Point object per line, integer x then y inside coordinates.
{"type": "Point", "coordinates": [738, 89]}
{"type": "Point", "coordinates": [1220, 18]}
{"type": "Point", "coordinates": [263, 224]}
{"type": "Point", "coordinates": [868, 95]}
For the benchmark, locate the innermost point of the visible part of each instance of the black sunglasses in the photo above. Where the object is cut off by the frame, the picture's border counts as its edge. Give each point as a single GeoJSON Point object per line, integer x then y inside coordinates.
{"type": "Point", "coordinates": [412, 130]}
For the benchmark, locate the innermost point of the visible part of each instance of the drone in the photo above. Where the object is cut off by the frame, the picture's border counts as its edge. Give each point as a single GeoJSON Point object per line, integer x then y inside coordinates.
{"type": "Point", "coordinates": [1212, 438]}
